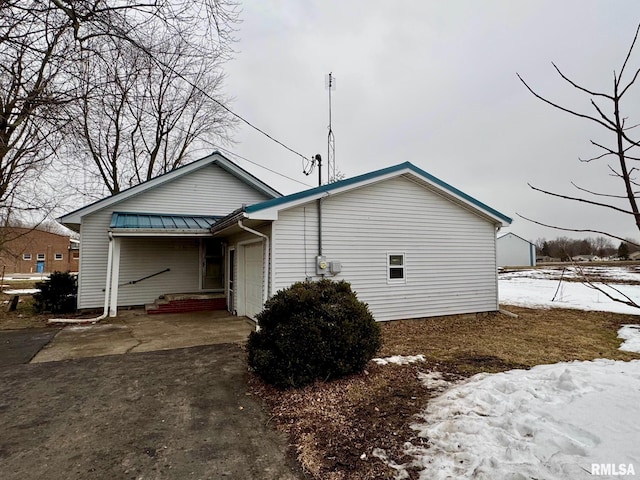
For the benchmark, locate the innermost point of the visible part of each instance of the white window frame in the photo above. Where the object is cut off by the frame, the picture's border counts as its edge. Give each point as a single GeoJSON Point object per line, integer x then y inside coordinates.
{"type": "Point", "coordinates": [397, 281]}
{"type": "Point", "coordinates": [40, 257]}
{"type": "Point", "coordinates": [26, 256]}
{"type": "Point", "coordinates": [58, 256]}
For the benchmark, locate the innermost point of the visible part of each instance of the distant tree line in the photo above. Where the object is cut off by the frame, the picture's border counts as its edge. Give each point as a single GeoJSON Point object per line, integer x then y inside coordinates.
{"type": "Point", "coordinates": [564, 248]}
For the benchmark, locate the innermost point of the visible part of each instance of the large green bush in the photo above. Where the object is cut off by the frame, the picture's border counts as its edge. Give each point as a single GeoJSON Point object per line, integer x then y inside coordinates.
{"type": "Point", "coordinates": [57, 294]}
{"type": "Point", "coordinates": [310, 331]}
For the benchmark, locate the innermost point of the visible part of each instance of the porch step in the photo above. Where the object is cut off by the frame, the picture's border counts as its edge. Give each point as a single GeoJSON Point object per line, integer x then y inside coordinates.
{"type": "Point", "coordinates": [187, 302]}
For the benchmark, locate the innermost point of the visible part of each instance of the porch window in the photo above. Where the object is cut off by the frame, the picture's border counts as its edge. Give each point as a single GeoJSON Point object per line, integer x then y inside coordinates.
{"type": "Point", "coordinates": [396, 268]}
{"type": "Point", "coordinates": [40, 256]}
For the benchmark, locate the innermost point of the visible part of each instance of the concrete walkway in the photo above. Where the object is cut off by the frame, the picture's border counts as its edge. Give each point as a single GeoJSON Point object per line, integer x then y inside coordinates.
{"type": "Point", "coordinates": [134, 331]}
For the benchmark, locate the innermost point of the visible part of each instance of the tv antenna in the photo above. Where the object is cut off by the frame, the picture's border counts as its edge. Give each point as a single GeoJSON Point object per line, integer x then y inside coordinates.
{"type": "Point", "coordinates": [330, 84]}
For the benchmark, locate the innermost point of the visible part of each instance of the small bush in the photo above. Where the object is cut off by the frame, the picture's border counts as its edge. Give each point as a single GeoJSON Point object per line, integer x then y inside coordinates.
{"type": "Point", "coordinates": [57, 294]}
{"type": "Point", "coordinates": [311, 331]}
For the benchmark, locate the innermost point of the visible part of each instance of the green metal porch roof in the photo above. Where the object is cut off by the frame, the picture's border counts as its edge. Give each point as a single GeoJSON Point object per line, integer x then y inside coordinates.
{"type": "Point", "coordinates": [155, 221]}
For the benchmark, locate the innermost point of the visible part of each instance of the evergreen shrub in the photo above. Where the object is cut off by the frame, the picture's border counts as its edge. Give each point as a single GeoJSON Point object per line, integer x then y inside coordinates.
{"type": "Point", "coordinates": [57, 294]}
{"type": "Point", "coordinates": [310, 331]}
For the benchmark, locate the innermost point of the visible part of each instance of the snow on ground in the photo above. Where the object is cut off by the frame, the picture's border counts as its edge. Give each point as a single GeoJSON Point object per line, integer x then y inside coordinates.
{"type": "Point", "coordinates": [550, 422]}
{"type": "Point", "coordinates": [561, 421]}
{"type": "Point", "coordinates": [399, 359]}
{"type": "Point", "coordinates": [631, 336]}
{"type": "Point", "coordinates": [620, 274]}
{"type": "Point", "coordinates": [529, 289]}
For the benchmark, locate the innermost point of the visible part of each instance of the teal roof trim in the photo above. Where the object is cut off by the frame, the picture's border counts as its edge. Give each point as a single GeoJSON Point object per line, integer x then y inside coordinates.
{"type": "Point", "coordinates": [372, 176]}
{"type": "Point", "coordinates": [154, 221]}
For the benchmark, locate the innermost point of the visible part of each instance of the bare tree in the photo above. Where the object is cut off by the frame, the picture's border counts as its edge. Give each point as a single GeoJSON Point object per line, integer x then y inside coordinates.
{"type": "Point", "coordinates": [34, 51]}
{"type": "Point", "coordinates": [144, 115]}
{"type": "Point", "coordinates": [47, 47]}
{"type": "Point", "coordinates": [607, 112]}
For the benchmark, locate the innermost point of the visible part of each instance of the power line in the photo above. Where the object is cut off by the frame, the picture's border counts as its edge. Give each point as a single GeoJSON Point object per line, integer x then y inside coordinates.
{"type": "Point", "coordinates": [206, 94]}
{"type": "Point", "coordinates": [261, 166]}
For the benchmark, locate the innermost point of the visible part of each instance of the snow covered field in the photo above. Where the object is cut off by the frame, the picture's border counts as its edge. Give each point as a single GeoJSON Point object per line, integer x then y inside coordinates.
{"type": "Point", "coordinates": [572, 420]}
{"type": "Point", "coordinates": [537, 288]}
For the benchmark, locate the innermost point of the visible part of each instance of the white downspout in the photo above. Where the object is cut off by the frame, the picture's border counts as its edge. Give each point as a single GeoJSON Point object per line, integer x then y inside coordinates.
{"type": "Point", "coordinates": [265, 281]}
{"type": "Point", "coordinates": [107, 291]}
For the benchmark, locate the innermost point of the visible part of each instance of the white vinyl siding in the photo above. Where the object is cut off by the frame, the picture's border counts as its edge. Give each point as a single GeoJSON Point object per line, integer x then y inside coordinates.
{"type": "Point", "coordinates": [207, 191]}
{"type": "Point", "coordinates": [450, 264]}
{"type": "Point", "coordinates": [514, 251]}
{"type": "Point", "coordinates": [140, 257]}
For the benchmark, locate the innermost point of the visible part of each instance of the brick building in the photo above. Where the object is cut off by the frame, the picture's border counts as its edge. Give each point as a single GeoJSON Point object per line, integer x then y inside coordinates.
{"type": "Point", "coordinates": [24, 250]}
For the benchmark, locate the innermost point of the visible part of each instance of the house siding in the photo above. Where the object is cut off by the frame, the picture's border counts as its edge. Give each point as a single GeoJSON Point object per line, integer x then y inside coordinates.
{"type": "Point", "coordinates": [450, 264]}
{"type": "Point", "coordinates": [514, 251]}
{"type": "Point", "coordinates": [206, 191]}
{"type": "Point", "coordinates": [140, 257]}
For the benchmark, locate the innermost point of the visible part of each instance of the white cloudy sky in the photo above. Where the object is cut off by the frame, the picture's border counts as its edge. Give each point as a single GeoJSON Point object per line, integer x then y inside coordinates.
{"type": "Point", "coordinates": [434, 83]}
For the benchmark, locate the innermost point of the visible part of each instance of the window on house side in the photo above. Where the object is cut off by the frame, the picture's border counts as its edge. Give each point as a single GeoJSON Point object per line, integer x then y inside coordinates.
{"type": "Point", "coordinates": [395, 268]}
{"type": "Point", "coordinates": [40, 256]}
{"type": "Point", "coordinates": [26, 256]}
{"type": "Point", "coordinates": [58, 256]}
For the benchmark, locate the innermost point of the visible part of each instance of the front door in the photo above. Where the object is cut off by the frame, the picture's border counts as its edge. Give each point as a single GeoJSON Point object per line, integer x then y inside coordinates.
{"type": "Point", "coordinates": [213, 265]}
{"type": "Point", "coordinates": [253, 275]}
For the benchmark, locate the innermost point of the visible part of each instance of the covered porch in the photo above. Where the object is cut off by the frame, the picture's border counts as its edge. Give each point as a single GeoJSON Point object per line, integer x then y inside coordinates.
{"type": "Point", "coordinates": [152, 256]}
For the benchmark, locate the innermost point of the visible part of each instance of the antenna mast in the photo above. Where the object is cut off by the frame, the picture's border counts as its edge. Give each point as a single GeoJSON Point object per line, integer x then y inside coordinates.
{"type": "Point", "coordinates": [330, 84]}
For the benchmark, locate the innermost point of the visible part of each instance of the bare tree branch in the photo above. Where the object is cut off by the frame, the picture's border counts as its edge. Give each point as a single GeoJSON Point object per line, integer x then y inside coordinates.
{"type": "Point", "coordinates": [576, 199]}
{"type": "Point", "coordinates": [579, 230]}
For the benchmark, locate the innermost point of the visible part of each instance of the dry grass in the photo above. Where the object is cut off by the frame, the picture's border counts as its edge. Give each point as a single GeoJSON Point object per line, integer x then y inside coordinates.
{"type": "Point", "coordinates": [23, 316]}
{"type": "Point", "coordinates": [331, 425]}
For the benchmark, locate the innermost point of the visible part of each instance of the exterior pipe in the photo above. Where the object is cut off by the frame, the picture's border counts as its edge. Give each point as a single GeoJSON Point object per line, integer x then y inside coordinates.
{"type": "Point", "coordinates": [107, 291]}
{"type": "Point", "coordinates": [319, 227]}
{"type": "Point", "coordinates": [265, 280]}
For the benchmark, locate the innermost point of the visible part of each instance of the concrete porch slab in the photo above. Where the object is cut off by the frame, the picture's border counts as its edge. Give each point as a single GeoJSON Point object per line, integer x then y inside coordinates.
{"type": "Point", "coordinates": [134, 331]}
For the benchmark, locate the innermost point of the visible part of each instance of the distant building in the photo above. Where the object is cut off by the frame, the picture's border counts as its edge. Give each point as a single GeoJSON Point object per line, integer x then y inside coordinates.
{"type": "Point", "coordinates": [515, 251]}
{"type": "Point", "coordinates": [25, 250]}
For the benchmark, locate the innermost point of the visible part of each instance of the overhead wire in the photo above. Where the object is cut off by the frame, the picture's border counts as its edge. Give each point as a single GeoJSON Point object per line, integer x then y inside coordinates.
{"type": "Point", "coordinates": [229, 152]}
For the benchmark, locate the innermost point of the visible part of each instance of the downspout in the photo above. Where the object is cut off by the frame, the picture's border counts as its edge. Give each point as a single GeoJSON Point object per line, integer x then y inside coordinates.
{"type": "Point", "coordinates": [107, 291]}
{"type": "Point", "coordinates": [265, 280]}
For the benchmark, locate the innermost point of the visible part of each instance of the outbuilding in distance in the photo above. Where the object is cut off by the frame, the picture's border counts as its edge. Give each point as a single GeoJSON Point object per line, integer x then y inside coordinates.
{"type": "Point", "coordinates": [515, 251]}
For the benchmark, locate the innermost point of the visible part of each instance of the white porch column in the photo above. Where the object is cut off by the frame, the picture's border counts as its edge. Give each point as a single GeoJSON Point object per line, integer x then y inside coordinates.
{"type": "Point", "coordinates": [115, 277]}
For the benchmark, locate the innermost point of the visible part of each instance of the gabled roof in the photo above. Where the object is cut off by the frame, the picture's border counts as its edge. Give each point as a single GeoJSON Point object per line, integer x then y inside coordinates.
{"type": "Point", "coordinates": [268, 210]}
{"type": "Point", "coordinates": [514, 235]}
{"type": "Point", "coordinates": [216, 158]}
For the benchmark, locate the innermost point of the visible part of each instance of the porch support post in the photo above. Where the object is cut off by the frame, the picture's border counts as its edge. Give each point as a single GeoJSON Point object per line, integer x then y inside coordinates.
{"type": "Point", "coordinates": [115, 277]}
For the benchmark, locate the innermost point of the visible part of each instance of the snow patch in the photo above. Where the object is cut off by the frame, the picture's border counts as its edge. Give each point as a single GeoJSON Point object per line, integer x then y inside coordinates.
{"type": "Point", "coordinates": [399, 359]}
{"type": "Point", "coordinates": [631, 336]}
{"type": "Point", "coordinates": [552, 422]}
{"type": "Point", "coordinates": [433, 380]}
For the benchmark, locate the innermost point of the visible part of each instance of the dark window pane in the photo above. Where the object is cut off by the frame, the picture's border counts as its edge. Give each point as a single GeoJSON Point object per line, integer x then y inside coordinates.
{"type": "Point", "coordinates": [396, 273]}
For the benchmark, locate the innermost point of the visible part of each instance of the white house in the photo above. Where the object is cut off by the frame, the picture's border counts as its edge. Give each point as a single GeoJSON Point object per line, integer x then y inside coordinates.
{"type": "Point", "coordinates": [515, 251]}
{"type": "Point", "coordinates": [411, 245]}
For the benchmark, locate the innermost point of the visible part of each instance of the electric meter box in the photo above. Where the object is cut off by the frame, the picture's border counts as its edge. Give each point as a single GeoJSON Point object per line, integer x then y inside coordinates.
{"type": "Point", "coordinates": [322, 267]}
{"type": "Point", "coordinates": [335, 267]}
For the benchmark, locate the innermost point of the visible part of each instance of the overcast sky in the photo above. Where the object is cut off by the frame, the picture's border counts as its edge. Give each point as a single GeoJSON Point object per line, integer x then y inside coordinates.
{"type": "Point", "coordinates": [434, 83]}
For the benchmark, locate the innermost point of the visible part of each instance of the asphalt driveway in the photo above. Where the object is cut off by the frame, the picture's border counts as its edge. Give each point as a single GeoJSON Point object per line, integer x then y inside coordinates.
{"type": "Point", "coordinates": [181, 413]}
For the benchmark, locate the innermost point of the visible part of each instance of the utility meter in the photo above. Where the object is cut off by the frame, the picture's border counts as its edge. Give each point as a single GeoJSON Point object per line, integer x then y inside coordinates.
{"type": "Point", "coordinates": [321, 265]}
